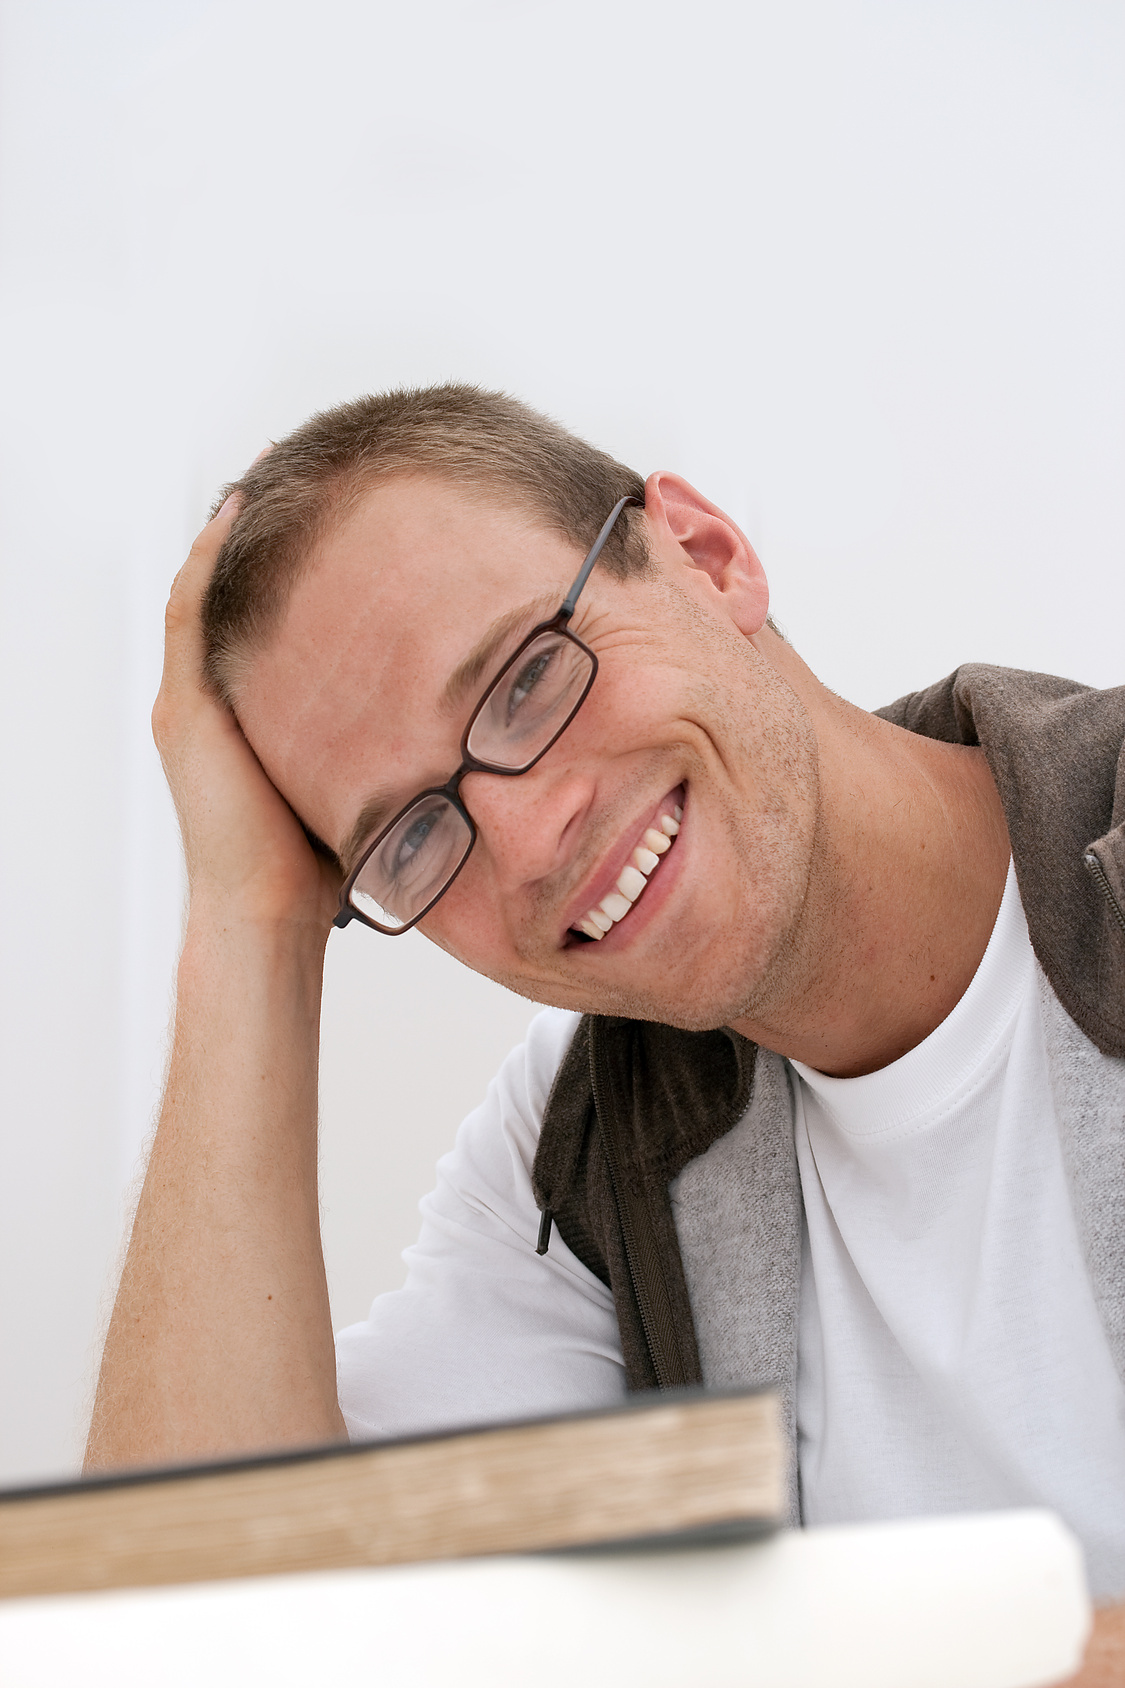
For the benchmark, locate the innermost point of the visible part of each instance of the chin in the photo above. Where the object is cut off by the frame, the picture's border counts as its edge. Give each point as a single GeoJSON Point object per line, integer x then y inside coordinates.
{"type": "Point", "coordinates": [691, 1007]}
{"type": "Point", "coordinates": [687, 1011]}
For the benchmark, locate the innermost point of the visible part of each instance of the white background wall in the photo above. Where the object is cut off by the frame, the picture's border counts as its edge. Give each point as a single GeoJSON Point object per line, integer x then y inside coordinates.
{"type": "Point", "coordinates": [857, 267]}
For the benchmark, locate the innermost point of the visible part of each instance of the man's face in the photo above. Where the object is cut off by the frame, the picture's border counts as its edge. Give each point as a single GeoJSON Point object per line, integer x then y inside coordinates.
{"type": "Point", "coordinates": [348, 709]}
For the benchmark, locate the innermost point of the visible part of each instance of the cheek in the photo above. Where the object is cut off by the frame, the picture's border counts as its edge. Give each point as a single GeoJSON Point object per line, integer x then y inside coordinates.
{"type": "Point", "coordinates": [633, 706]}
{"type": "Point", "coordinates": [466, 923]}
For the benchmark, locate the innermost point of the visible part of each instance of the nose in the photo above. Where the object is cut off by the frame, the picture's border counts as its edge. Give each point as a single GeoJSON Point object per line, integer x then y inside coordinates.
{"type": "Point", "coordinates": [528, 825]}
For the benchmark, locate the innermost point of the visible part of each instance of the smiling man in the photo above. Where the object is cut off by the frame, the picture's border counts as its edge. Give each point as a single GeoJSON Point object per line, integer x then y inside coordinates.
{"type": "Point", "coordinates": [836, 1098]}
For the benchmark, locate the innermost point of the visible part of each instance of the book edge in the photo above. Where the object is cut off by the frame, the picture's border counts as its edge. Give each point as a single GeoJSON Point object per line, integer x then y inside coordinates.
{"type": "Point", "coordinates": [96, 1482]}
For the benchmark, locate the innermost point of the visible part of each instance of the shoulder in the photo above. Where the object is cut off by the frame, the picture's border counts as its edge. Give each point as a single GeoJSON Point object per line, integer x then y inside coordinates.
{"type": "Point", "coordinates": [496, 1144]}
{"type": "Point", "coordinates": [980, 702]}
{"type": "Point", "coordinates": [523, 1083]}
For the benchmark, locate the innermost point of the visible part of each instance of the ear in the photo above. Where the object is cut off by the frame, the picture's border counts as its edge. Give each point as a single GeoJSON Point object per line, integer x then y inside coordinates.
{"type": "Point", "coordinates": [707, 540]}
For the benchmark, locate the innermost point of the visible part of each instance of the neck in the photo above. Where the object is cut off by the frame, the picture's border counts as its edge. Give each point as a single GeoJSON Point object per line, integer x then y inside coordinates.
{"type": "Point", "coordinates": [906, 879]}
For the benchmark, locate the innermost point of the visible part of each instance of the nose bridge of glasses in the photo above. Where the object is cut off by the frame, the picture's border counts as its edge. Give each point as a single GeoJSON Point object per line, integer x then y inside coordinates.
{"type": "Point", "coordinates": [520, 797]}
{"type": "Point", "coordinates": [525, 710]}
{"type": "Point", "coordinates": [518, 822]}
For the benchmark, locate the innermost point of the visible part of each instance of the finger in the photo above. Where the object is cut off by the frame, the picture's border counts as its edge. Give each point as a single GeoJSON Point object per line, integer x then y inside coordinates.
{"type": "Point", "coordinates": [191, 579]}
{"type": "Point", "coordinates": [182, 633]}
{"type": "Point", "coordinates": [190, 582]}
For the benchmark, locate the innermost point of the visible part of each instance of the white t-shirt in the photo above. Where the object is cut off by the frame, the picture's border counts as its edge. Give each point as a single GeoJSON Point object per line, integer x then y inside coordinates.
{"type": "Point", "coordinates": [951, 1357]}
{"type": "Point", "coordinates": [484, 1328]}
{"type": "Point", "coordinates": [949, 1346]}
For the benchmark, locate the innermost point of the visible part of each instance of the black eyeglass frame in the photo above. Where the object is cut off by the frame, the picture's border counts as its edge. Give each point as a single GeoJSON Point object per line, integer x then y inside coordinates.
{"type": "Point", "coordinates": [347, 911]}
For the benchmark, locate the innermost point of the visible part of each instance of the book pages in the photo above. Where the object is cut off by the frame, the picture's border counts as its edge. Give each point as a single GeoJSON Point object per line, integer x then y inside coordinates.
{"type": "Point", "coordinates": [993, 1601]}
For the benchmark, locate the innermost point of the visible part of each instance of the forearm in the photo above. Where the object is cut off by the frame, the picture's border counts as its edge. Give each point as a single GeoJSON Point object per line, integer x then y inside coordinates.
{"type": "Point", "coordinates": [221, 1338]}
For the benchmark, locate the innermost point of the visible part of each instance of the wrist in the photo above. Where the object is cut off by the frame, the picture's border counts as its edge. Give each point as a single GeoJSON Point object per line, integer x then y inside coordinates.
{"type": "Point", "coordinates": [272, 915]}
{"type": "Point", "coordinates": [225, 935]}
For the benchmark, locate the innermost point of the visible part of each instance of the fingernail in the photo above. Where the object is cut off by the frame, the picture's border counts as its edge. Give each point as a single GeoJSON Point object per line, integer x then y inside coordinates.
{"type": "Point", "coordinates": [228, 506]}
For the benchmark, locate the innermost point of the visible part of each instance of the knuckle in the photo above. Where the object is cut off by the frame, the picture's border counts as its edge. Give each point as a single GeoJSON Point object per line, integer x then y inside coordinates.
{"type": "Point", "coordinates": [176, 612]}
{"type": "Point", "coordinates": [161, 719]}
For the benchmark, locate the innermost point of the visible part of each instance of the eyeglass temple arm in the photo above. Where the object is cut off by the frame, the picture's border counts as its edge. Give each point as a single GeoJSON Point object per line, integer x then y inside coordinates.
{"type": "Point", "coordinates": [584, 573]}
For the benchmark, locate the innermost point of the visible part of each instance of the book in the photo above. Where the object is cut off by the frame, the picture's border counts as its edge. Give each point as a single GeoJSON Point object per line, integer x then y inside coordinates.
{"type": "Point", "coordinates": [995, 1601]}
{"type": "Point", "coordinates": [690, 1465]}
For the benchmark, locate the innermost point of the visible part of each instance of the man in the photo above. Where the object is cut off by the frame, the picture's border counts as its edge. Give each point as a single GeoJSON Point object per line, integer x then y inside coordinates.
{"type": "Point", "coordinates": [847, 1107]}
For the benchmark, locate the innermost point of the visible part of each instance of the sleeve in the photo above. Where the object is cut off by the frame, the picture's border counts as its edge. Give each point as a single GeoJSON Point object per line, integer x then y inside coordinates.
{"type": "Point", "coordinates": [484, 1329]}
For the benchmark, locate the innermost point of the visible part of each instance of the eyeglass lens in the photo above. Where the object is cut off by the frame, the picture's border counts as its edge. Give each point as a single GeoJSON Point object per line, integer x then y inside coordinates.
{"type": "Point", "coordinates": [414, 863]}
{"type": "Point", "coordinates": [529, 701]}
{"type": "Point", "coordinates": [524, 710]}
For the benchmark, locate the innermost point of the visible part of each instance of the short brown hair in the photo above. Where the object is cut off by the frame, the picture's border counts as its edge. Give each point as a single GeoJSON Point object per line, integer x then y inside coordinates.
{"type": "Point", "coordinates": [463, 434]}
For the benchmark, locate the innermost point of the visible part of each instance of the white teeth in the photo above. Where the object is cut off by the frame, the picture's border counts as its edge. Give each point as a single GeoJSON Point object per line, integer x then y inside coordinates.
{"type": "Point", "coordinates": [633, 878]}
{"type": "Point", "coordinates": [615, 905]}
{"type": "Point", "coordinates": [631, 882]}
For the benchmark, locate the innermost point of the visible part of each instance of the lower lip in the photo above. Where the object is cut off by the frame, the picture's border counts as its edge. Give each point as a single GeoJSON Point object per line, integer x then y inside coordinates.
{"type": "Point", "coordinates": [656, 892]}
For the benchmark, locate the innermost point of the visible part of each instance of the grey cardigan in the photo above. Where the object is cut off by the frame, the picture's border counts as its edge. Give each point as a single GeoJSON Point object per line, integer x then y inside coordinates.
{"type": "Point", "coordinates": [666, 1158]}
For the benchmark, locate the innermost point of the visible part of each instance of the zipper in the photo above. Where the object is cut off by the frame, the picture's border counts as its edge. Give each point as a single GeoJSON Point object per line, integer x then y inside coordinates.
{"type": "Point", "coordinates": [1101, 878]}
{"type": "Point", "coordinates": [628, 1234]}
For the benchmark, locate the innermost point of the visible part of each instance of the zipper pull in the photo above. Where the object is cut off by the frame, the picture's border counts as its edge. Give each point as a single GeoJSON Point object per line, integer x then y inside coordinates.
{"type": "Point", "coordinates": [545, 1231]}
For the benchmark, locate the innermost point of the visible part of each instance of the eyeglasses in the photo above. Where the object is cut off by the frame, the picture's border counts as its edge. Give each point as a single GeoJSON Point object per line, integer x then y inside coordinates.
{"type": "Point", "coordinates": [529, 705]}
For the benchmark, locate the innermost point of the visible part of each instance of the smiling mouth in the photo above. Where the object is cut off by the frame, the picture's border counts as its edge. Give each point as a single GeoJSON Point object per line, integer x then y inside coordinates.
{"type": "Point", "coordinates": [632, 879]}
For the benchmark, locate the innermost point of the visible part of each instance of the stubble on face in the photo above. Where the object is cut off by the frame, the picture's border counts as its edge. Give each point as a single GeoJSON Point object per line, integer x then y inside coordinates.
{"type": "Point", "coordinates": [682, 697]}
{"type": "Point", "coordinates": [726, 946]}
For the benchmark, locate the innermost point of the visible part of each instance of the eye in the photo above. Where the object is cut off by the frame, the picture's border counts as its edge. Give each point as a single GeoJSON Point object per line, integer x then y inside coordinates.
{"type": "Point", "coordinates": [409, 844]}
{"type": "Point", "coordinates": [530, 700]}
{"type": "Point", "coordinates": [529, 677]}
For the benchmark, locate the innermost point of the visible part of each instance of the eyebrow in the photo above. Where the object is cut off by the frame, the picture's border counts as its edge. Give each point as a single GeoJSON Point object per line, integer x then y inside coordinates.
{"type": "Point", "coordinates": [383, 803]}
{"type": "Point", "coordinates": [376, 809]}
{"type": "Point", "coordinates": [487, 650]}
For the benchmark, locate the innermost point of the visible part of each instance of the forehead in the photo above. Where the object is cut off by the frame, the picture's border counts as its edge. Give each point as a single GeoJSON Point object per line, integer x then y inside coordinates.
{"type": "Point", "coordinates": [420, 544]}
{"type": "Point", "coordinates": [395, 599]}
